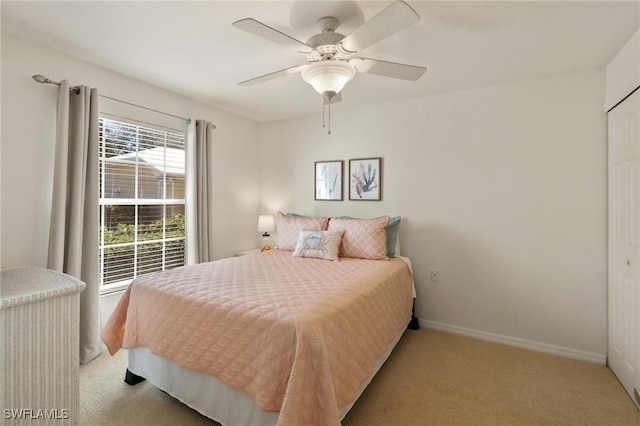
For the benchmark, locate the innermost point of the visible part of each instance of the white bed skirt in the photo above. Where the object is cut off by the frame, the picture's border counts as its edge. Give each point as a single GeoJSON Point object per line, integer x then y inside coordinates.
{"type": "Point", "coordinates": [212, 398]}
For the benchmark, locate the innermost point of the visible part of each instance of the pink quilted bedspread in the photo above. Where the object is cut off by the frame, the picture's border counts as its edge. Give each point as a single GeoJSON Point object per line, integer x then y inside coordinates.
{"type": "Point", "coordinates": [300, 336]}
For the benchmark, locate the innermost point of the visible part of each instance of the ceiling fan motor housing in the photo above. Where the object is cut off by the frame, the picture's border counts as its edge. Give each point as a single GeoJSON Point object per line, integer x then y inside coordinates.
{"type": "Point", "coordinates": [326, 47]}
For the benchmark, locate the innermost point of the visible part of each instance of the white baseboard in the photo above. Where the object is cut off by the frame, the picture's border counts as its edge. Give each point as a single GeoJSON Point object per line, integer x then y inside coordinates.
{"type": "Point", "coordinates": [592, 357]}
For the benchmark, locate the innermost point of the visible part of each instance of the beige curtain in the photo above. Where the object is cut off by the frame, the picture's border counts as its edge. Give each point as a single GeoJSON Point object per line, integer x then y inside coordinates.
{"type": "Point", "coordinates": [73, 240]}
{"type": "Point", "coordinates": [199, 191]}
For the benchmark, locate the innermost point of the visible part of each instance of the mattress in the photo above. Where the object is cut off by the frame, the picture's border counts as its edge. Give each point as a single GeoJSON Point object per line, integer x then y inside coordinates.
{"type": "Point", "coordinates": [301, 337]}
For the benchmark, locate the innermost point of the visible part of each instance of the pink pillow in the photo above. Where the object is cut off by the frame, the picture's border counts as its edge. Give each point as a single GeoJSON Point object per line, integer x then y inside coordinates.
{"type": "Point", "coordinates": [363, 238]}
{"type": "Point", "coordinates": [288, 227]}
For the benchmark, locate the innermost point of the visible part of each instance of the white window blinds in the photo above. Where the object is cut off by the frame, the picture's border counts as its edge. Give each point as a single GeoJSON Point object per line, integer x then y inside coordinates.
{"type": "Point", "coordinates": [142, 202]}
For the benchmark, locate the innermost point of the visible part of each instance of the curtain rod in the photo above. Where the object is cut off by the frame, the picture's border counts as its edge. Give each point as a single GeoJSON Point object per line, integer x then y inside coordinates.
{"type": "Point", "coordinates": [44, 80]}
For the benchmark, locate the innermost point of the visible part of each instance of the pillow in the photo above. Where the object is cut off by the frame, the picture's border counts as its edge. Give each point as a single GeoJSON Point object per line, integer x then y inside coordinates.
{"type": "Point", "coordinates": [287, 228]}
{"type": "Point", "coordinates": [318, 244]}
{"type": "Point", "coordinates": [363, 238]}
{"type": "Point", "coordinates": [393, 247]}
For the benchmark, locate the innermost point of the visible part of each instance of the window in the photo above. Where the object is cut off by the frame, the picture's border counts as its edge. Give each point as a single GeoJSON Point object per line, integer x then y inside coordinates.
{"type": "Point", "coordinates": [142, 206]}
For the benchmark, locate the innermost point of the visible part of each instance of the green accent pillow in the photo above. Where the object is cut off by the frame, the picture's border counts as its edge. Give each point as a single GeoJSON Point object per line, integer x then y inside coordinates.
{"type": "Point", "coordinates": [392, 235]}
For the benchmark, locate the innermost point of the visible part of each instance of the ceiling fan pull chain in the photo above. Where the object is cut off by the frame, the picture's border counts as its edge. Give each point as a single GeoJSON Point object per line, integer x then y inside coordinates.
{"type": "Point", "coordinates": [329, 109]}
{"type": "Point", "coordinates": [323, 126]}
{"type": "Point", "coordinates": [326, 100]}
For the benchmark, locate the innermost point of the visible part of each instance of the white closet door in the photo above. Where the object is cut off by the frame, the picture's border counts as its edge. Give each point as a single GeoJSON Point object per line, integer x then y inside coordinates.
{"type": "Point", "coordinates": [624, 242]}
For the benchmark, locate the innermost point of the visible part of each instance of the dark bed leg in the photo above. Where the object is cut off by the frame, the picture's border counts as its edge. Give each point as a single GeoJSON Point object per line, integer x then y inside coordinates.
{"type": "Point", "coordinates": [132, 379]}
{"type": "Point", "coordinates": [414, 324]}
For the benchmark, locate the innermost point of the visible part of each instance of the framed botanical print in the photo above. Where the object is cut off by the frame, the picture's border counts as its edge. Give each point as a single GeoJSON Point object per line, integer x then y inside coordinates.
{"type": "Point", "coordinates": [328, 180]}
{"type": "Point", "coordinates": [365, 176]}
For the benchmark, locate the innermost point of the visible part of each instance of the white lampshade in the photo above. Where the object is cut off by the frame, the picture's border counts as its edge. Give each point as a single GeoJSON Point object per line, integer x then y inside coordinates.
{"type": "Point", "coordinates": [266, 223]}
{"type": "Point", "coordinates": [328, 77]}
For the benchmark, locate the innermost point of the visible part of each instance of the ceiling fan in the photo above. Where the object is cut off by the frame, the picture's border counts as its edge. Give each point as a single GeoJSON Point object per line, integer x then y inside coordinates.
{"type": "Point", "coordinates": [331, 57]}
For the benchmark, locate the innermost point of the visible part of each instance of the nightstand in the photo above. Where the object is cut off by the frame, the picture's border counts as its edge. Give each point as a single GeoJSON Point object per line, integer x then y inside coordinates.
{"type": "Point", "coordinates": [249, 251]}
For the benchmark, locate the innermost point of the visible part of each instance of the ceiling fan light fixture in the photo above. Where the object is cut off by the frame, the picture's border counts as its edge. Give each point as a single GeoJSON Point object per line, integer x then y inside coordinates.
{"type": "Point", "coordinates": [328, 76]}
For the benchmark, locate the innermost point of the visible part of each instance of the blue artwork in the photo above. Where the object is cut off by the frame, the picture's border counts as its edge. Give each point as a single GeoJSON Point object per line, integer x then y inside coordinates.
{"type": "Point", "coordinates": [328, 180]}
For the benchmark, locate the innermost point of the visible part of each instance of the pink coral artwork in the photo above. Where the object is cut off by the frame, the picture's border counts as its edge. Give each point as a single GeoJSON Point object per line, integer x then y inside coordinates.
{"type": "Point", "coordinates": [365, 176]}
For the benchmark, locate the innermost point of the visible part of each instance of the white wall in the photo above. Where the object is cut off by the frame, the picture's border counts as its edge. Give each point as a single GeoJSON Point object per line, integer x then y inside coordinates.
{"type": "Point", "coordinates": [623, 72]}
{"type": "Point", "coordinates": [28, 132]}
{"type": "Point", "coordinates": [502, 189]}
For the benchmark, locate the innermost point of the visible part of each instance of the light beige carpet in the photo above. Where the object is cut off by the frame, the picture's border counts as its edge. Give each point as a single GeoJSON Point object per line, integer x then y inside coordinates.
{"type": "Point", "coordinates": [431, 378]}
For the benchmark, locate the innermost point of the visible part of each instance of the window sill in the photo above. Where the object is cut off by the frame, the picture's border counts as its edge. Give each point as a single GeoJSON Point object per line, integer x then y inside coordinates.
{"type": "Point", "coordinates": [114, 288]}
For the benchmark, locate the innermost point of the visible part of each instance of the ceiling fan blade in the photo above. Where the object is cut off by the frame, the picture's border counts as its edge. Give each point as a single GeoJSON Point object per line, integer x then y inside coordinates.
{"type": "Point", "coordinates": [291, 70]}
{"type": "Point", "coordinates": [388, 69]}
{"type": "Point", "coordinates": [261, 30]}
{"type": "Point", "coordinates": [335, 99]}
{"type": "Point", "coordinates": [394, 18]}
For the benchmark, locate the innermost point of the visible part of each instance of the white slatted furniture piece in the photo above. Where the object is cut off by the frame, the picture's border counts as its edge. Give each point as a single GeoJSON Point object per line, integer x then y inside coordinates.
{"type": "Point", "coordinates": [39, 347]}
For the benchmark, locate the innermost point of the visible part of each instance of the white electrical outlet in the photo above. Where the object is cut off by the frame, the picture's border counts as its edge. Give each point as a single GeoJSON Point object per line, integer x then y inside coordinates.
{"type": "Point", "coordinates": [435, 275]}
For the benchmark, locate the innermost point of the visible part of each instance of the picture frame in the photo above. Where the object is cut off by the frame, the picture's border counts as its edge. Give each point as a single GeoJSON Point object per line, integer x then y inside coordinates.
{"type": "Point", "coordinates": [365, 179]}
{"type": "Point", "coordinates": [328, 180]}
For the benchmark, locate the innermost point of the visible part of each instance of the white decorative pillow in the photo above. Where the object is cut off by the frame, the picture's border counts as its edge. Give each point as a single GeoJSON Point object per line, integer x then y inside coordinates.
{"type": "Point", "coordinates": [363, 238]}
{"type": "Point", "coordinates": [318, 244]}
{"type": "Point", "coordinates": [287, 228]}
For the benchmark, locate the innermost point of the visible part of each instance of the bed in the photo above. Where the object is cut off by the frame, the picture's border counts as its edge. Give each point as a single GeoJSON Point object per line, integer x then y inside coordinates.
{"type": "Point", "coordinates": [268, 338]}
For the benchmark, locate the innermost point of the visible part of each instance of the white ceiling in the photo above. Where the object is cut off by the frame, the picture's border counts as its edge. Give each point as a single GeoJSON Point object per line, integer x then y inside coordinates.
{"type": "Point", "coordinates": [191, 47]}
